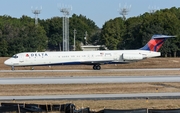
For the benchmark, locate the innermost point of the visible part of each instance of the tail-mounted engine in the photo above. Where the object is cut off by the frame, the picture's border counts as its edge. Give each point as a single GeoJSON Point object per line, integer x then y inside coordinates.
{"type": "Point", "coordinates": [127, 56]}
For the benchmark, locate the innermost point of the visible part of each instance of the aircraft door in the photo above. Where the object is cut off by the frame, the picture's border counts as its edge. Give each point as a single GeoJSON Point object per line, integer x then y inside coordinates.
{"type": "Point", "coordinates": [21, 58]}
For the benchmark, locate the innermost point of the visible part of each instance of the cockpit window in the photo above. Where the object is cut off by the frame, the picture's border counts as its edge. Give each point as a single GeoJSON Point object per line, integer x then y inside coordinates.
{"type": "Point", "coordinates": [14, 56]}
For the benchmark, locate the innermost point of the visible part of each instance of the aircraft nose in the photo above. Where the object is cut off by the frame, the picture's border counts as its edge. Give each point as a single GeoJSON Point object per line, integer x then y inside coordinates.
{"type": "Point", "coordinates": [7, 62]}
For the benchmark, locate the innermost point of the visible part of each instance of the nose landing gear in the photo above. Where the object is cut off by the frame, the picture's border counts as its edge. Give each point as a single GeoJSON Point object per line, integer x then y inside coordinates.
{"type": "Point", "coordinates": [12, 68]}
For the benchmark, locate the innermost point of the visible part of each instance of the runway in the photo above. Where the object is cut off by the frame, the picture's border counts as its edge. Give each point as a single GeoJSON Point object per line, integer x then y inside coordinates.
{"type": "Point", "coordinates": [102, 70]}
{"type": "Point", "coordinates": [95, 96]}
{"type": "Point", "coordinates": [90, 80]}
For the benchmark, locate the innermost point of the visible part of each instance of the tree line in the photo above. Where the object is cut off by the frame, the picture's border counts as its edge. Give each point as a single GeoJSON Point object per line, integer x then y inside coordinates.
{"type": "Point", "coordinates": [22, 35]}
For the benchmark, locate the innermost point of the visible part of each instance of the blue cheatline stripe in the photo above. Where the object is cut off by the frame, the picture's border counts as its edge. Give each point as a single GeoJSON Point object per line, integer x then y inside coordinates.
{"type": "Point", "coordinates": [78, 63]}
{"type": "Point", "coordinates": [66, 63]}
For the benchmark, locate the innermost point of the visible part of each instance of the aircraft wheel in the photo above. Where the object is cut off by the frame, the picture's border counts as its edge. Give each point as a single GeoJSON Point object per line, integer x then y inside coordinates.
{"type": "Point", "coordinates": [96, 67]}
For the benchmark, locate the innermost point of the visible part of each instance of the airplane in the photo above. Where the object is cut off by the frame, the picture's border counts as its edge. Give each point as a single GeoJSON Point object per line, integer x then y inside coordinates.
{"type": "Point", "coordinates": [95, 58]}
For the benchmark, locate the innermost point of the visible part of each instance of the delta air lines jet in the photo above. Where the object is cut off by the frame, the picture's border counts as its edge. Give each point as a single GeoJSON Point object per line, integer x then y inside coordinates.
{"type": "Point", "coordinates": [95, 58]}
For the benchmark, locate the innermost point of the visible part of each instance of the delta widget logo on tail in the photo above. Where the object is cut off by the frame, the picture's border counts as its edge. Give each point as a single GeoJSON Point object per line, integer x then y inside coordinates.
{"type": "Point", "coordinates": [155, 44]}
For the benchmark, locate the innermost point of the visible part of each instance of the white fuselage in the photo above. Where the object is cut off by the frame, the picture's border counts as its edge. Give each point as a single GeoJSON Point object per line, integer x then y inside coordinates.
{"type": "Point", "coordinates": [79, 57]}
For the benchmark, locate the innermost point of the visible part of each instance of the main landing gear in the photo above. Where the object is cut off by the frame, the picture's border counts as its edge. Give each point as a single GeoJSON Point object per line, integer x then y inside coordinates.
{"type": "Point", "coordinates": [31, 68]}
{"type": "Point", "coordinates": [96, 67]}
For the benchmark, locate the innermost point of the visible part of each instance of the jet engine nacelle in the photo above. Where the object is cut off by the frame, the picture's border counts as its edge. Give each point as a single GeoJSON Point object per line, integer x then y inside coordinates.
{"type": "Point", "coordinates": [127, 56]}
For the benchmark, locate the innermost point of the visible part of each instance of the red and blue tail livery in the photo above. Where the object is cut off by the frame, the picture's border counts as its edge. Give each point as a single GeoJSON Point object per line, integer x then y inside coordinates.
{"type": "Point", "coordinates": [156, 42]}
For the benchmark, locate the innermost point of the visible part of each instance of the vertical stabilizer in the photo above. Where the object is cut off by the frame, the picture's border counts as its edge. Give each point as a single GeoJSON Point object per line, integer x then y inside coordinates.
{"type": "Point", "coordinates": [156, 42]}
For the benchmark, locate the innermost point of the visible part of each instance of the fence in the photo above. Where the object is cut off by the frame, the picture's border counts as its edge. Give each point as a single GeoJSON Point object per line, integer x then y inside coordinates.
{"type": "Point", "coordinates": [70, 108]}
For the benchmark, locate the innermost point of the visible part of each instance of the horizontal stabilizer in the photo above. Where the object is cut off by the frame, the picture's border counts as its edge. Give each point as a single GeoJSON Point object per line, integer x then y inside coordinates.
{"type": "Point", "coordinates": [162, 36]}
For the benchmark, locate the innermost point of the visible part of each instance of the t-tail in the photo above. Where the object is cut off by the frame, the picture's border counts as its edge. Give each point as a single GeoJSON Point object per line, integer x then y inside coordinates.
{"type": "Point", "coordinates": [156, 42]}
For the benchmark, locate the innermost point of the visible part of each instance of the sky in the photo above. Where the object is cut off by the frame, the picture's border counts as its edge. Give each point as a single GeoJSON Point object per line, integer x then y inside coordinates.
{"type": "Point", "coordinates": [99, 11]}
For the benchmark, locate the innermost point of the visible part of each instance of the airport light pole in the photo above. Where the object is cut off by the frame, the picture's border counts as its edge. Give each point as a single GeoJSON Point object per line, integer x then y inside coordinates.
{"type": "Point", "coordinates": [75, 39]}
{"type": "Point", "coordinates": [36, 12]}
{"type": "Point", "coordinates": [124, 11]}
{"type": "Point", "coordinates": [85, 38]}
{"type": "Point", "coordinates": [66, 13]}
{"type": "Point", "coordinates": [152, 9]}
